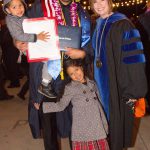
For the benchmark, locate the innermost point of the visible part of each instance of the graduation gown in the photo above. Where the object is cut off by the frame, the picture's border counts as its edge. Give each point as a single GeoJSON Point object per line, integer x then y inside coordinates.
{"type": "Point", "coordinates": [117, 45]}
{"type": "Point", "coordinates": [63, 118]}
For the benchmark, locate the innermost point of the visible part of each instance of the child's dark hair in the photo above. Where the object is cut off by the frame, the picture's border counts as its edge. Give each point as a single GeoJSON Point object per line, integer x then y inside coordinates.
{"type": "Point", "coordinates": [72, 62]}
{"type": "Point", "coordinates": [7, 5]}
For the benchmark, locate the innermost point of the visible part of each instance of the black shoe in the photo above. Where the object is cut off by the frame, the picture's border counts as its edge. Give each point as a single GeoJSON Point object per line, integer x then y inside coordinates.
{"type": "Point", "coordinates": [14, 85]}
{"type": "Point", "coordinates": [46, 91]}
{"type": "Point", "coordinates": [21, 96]}
{"type": "Point", "coordinates": [7, 97]}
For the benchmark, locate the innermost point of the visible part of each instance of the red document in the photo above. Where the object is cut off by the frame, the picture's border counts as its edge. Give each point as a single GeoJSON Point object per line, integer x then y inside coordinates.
{"type": "Point", "coordinates": [40, 50]}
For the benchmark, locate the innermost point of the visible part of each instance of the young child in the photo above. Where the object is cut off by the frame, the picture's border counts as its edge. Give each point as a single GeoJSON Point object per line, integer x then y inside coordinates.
{"type": "Point", "coordinates": [89, 128]}
{"type": "Point", "coordinates": [15, 10]}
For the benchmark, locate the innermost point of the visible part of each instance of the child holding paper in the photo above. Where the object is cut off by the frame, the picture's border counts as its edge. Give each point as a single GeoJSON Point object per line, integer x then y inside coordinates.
{"type": "Point", "coordinates": [15, 10]}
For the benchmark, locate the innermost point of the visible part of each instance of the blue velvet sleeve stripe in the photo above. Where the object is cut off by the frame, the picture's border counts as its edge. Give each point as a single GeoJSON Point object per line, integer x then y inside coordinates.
{"type": "Point", "coordinates": [131, 34]}
{"type": "Point", "coordinates": [140, 58]}
{"type": "Point", "coordinates": [132, 46]}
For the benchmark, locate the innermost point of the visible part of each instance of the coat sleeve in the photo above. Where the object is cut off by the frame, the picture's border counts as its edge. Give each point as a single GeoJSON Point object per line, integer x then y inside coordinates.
{"type": "Point", "coordinates": [16, 31]}
{"type": "Point", "coordinates": [131, 62]}
{"type": "Point", "coordinates": [58, 106]}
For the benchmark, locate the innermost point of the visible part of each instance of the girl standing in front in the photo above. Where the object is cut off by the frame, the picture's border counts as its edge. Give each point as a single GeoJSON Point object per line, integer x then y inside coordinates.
{"type": "Point", "coordinates": [89, 127]}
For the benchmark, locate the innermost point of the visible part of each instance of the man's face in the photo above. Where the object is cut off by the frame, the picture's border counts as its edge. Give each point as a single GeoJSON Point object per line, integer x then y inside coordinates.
{"type": "Point", "coordinates": [66, 2]}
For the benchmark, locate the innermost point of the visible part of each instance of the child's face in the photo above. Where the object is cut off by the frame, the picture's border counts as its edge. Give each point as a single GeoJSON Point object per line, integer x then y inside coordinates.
{"type": "Point", "coordinates": [76, 73]}
{"type": "Point", "coordinates": [101, 7]}
{"type": "Point", "coordinates": [16, 8]}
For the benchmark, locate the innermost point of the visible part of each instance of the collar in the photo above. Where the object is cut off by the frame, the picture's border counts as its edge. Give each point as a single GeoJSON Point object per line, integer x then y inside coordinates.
{"type": "Point", "coordinates": [112, 18]}
{"type": "Point", "coordinates": [9, 15]}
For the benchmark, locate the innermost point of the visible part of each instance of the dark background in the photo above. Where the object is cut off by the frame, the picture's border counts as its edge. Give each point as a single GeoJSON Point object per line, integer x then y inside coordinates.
{"type": "Point", "coordinates": [133, 9]}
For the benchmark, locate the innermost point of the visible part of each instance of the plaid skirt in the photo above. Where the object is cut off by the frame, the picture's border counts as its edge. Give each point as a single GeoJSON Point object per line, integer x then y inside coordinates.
{"type": "Point", "coordinates": [101, 144]}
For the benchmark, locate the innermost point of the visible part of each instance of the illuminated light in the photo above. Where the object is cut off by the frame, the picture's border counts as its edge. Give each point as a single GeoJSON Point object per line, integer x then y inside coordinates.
{"type": "Point", "coordinates": [30, 5]}
{"type": "Point", "coordinates": [128, 3]}
{"type": "Point", "coordinates": [84, 2]}
{"type": "Point", "coordinates": [84, 7]}
{"type": "Point", "coordinates": [114, 5]}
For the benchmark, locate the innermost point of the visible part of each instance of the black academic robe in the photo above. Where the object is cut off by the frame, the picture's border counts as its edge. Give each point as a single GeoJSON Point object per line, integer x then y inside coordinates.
{"type": "Point", "coordinates": [122, 75]}
{"type": "Point", "coordinates": [143, 25]}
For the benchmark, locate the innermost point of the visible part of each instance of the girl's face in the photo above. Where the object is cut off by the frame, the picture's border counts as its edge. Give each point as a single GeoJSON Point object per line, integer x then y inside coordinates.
{"type": "Point", "coordinates": [76, 73]}
{"type": "Point", "coordinates": [16, 8]}
{"type": "Point", "coordinates": [102, 8]}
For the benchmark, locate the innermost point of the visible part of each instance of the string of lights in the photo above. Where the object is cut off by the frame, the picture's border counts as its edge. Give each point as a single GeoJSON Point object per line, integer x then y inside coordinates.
{"type": "Point", "coordinates": [116, 3]}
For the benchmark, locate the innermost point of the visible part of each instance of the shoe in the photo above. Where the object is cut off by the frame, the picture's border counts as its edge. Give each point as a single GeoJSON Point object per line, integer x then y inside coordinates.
{"type": "Point", "coordinates": [7, 97]}
{"type": "Point", "coordinates": [46, 91]}
{"type": "Point", "coordinates": [14, 85]}
{"type": "Point", "coordinates": [21, 96]}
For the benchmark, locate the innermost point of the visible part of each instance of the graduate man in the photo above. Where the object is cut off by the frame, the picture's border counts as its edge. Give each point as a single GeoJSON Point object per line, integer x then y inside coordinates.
{"type": "Point", "coordinates": [67, 12]}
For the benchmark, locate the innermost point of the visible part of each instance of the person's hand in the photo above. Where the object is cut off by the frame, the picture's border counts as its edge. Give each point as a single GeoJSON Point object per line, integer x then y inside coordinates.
{"type": "Point", "coordinates": [75, 53]}
{"type": "Point", "coordinates": [22, 46]}
{"type": "Point", "coordinates": [43, 36]}
{"type": "Point", "coordinates": [131, 101]}
{"type": "Point", "coordinates": [36, 105]}
{"type": "Point", "coordinates": [131, 104]}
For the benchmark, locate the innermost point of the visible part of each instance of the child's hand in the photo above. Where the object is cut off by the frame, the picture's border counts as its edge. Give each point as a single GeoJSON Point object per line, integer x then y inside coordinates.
{"type": "Point", "coordinates": [36, 105]}
{"type": "Point", "coordinates": [43, 36]}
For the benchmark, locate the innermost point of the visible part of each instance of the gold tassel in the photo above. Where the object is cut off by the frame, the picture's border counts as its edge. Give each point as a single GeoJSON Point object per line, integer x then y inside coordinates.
{"type": "Point", "coordinates": [62, 69]}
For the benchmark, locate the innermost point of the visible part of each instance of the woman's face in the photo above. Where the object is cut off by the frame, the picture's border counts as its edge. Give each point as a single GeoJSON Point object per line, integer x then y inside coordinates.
{"type": "Point", "coordinates": [76, 73]}
{"type": "Point", "coordinates": [102, 8]}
